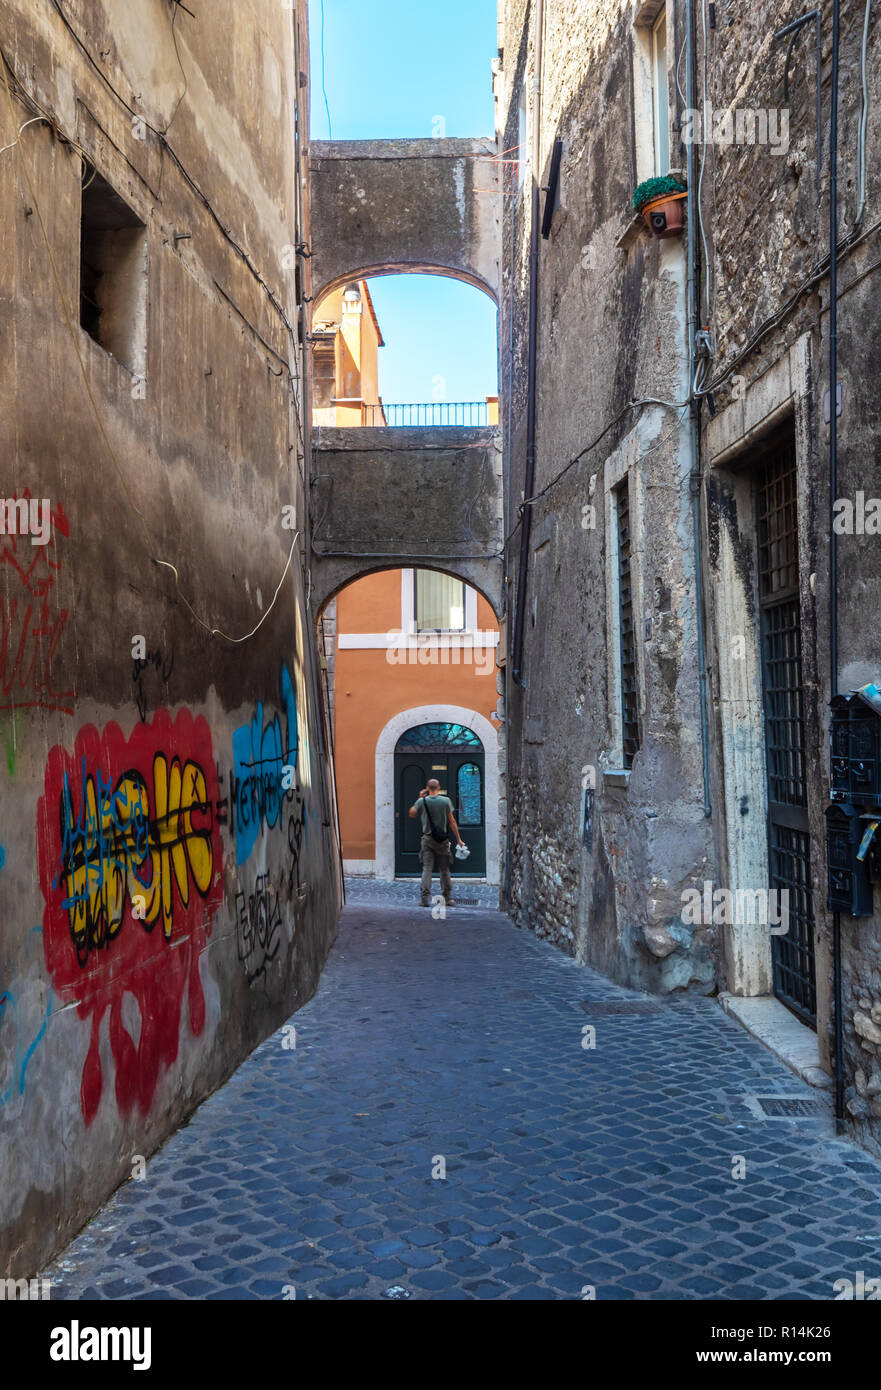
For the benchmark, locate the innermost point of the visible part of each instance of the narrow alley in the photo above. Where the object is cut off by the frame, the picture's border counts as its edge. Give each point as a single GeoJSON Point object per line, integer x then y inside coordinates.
{"type": "Point", "coordinates": [437, 1129]}
{"type": "Point", "coordinates": [440, 670]}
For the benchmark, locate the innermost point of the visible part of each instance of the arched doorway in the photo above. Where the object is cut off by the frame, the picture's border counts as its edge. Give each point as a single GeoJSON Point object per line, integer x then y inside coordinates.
{"type": "Point", "coordinates": [387, 793]}
{"type": "Point", "coordinates": [454, 755]}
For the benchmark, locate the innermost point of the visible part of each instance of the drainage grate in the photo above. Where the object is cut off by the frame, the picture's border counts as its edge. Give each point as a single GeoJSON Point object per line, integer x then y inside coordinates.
{"type": "Point", "coordinates": [783, 1107]}
{"type": "Point", "coordinates": [620, 1006]}
{"type": "Point", "coordinates": [466, 902]}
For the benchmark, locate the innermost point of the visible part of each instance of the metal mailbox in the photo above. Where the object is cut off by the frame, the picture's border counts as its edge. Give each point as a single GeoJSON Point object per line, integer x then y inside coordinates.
{"type": "Point", "coordinates": [855, 762]}
{"type": "Point", "coordinates": [850, 889]}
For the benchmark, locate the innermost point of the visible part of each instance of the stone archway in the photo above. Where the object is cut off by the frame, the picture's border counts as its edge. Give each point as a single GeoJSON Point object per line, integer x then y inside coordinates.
{"type": "Point", "coordinates": [396, 206]}
{"type": "Point", "coordinates": [384, 852]}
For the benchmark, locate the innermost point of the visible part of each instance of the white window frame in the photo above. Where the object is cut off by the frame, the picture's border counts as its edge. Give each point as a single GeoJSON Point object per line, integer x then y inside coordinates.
{"type": "Point", "coordinates": [441, 631]}
{"type": "Point", "coordinates": [660, 89]}
{"type": "Point", "coordinates": [623, 463]}
{"type": "Point", "coordinates": [647, 89]}
{"type": "Point", "coordinates": [406, 636]}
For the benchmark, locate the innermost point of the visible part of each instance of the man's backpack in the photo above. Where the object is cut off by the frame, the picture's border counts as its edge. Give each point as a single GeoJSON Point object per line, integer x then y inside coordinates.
{"type": "Point", "coordinates": [441, 835]}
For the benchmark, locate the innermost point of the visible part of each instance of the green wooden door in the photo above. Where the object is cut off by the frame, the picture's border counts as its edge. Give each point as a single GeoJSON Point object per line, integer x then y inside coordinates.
{"type": "Point", "coordinates": [455, 756]}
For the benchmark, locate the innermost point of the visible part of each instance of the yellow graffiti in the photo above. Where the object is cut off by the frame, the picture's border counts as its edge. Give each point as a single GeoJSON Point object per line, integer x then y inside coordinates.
{"type": "Point", "coordinates": [120, 849]}
{"type": "Point", "coordinates": [178, 848]}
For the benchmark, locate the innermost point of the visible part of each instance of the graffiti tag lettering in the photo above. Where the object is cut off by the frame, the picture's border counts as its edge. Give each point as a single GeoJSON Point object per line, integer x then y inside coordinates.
{"type": "Point", "coordinates": [127, 840]}
{"type": "Point", "coordinates": [260, 755]}
{"type": "Point", "coordinates": [258, 923]}
{"type": "Point", "coordinates": [142, 663]}
{"type": "Point", "coordinates": [30, 631]}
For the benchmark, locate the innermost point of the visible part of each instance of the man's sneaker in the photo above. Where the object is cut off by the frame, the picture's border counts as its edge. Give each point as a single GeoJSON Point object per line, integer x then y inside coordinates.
{"type": "Point", "coordinates": [423, 902]}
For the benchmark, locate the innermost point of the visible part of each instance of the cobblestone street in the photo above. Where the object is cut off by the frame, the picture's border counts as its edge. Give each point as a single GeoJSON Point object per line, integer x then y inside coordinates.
{"type": "Point", "coordinates": [566, 1166]}
{"type": "Point", "coordinates": [367, 892]}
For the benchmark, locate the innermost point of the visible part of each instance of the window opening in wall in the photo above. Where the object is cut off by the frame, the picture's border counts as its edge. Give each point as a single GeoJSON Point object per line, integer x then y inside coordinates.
{"type": "Point", "coordinates": [660, 94]}
{"type": "Point", "coordinates": [113, 275]}
{"type": "Point", "coordinates": [440, 602]}
{"type": "Point", "coordinates": [629, 715]}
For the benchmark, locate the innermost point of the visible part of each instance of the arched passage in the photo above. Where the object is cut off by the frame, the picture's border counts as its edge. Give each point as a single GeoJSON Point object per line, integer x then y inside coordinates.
{"type": "Point", "coordinates": [385, 268]}
{"type": "Point", "coordinates": [377, 671]}
{"type": "Point", "coordinates": [383, 206]}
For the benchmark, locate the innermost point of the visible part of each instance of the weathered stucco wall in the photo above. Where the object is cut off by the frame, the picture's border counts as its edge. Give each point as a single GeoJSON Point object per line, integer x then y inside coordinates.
{"type": "Point", "coordinates": [386, 206]}
{"type": "Point", "coordinates": [429, 496]}
{"type": "Point", "coordinates": [168, 893]}
{"type": "Point", "coordinates": [611, 330]}
{"type": "Point", "coordinates": [769, 236]}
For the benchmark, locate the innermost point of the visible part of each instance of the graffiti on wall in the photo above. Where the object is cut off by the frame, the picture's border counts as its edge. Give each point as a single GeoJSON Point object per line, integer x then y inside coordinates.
{"type": "Point", "coordinates": [258, 927]}
{"type": "Point", "coordinates": [130, 865]}
{"type": "Point", "coordinates": [31, 623]}
{"type": "Point", "coordinates": [21, 1032]}
{"type": "Point", "coordinates": [265, 795]}
{"type": "Point", "coordinates": [261, 752]}
{"type": "Point", "coordinates": [150, 661]}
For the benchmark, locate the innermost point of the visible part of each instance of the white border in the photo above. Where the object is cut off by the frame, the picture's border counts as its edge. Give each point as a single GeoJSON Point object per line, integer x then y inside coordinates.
{"type": "Point", "coordinates": [385, 780]}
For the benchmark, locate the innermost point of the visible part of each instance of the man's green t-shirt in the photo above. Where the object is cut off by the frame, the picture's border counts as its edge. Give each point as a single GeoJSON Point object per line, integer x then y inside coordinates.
{"type": "Point", "coordinates": [441, 807]}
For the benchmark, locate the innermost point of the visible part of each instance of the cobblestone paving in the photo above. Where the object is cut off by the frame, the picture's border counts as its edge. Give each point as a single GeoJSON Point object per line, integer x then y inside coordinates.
{"type": "Point", "coordinates": [367, 892]}
{"type": "Point", "coordinates": [566, 1166]}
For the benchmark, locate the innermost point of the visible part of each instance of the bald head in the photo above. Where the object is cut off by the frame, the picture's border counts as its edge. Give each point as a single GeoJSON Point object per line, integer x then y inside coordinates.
{"type": "Point", "coordinates": [433, 786]}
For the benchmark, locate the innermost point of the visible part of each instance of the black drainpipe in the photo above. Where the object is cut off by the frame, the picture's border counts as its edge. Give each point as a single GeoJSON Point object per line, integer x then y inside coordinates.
{"type": "Point", "coordinates": [529, 479]}
{"type": "Point", "coordinates": [833, 538]}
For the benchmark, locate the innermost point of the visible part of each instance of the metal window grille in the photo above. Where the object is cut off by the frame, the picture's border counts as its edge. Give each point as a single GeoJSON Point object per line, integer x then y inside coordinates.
{"type": "Point", "coordinates": [789, 846]}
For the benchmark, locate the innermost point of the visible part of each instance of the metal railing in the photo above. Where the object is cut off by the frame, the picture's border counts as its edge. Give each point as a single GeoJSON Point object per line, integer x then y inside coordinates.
{"type": "Point", "coordinates": [429, 413]}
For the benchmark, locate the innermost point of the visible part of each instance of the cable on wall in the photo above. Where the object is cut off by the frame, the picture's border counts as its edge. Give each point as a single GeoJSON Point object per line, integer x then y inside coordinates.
{"type": "Point", "coordinates": [213, 632]}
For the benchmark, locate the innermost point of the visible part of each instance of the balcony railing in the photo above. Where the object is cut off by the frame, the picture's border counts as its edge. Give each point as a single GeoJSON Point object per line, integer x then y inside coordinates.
{"type": "Point", "coordinates": [431, 413]}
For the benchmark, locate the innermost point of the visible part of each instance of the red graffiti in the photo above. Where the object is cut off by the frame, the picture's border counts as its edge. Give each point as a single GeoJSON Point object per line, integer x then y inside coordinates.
{"type": "Point", "coordinates": [130, 864]}
{"type": "Point", "coordinates": [30, 629]}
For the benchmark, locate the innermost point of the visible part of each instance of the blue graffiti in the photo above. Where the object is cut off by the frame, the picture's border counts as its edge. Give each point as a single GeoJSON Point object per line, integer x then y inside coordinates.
{"type": "Point", "coordinates": [21, 1055]}
{"type": "Point", "coordinates": [260, 756]}
{"type": "Point", "coordinates": [108, 837]}
{"type": "Point", "coordinates": [2, 856]}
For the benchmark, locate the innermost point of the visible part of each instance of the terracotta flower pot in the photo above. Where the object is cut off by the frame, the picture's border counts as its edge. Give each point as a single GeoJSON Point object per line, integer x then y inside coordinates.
{"type": "Point", "coordinates": [664, 216]}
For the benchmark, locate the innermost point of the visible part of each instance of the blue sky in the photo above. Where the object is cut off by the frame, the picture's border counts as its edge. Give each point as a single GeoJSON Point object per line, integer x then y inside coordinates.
{"type": "Point", "coordinates": [391, 70]}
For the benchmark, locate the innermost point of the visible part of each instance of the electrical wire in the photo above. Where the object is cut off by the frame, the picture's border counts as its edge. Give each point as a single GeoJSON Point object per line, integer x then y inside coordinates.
{"type": "Point", "coordinates": [700, 179]}
{"type": "Point", "coordinates": [846, 245]}
{"type": "Point", "coordinates": [863, 122]}
{"type": "Point", "coordinates": [631, 405]}
{"type": "Point", "coordinates": [184, 172]}
{"type": "Point", "coordinates": [323, 83]}
{"type": "Point", "coordinates": [678, 69]}
{"type": "Point", "coordinates": [183, 72]}
{"type": "Point", "coordinates": [13, 143]}
{"type": "Point", "coordinates": [214, 632]}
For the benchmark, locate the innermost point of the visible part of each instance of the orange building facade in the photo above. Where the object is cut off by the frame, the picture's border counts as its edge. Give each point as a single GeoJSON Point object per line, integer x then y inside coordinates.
{"type": "Point", "coordinates": [410, 704]}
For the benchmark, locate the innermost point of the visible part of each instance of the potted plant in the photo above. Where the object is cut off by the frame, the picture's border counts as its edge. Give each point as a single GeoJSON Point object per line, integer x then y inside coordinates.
{"type": "Point", "coordinates": [661, 202]}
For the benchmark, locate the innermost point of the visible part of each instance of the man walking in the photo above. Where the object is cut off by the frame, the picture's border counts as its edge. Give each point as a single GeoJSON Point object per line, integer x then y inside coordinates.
{"type": "Point", "coordinates": [436, 852]}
